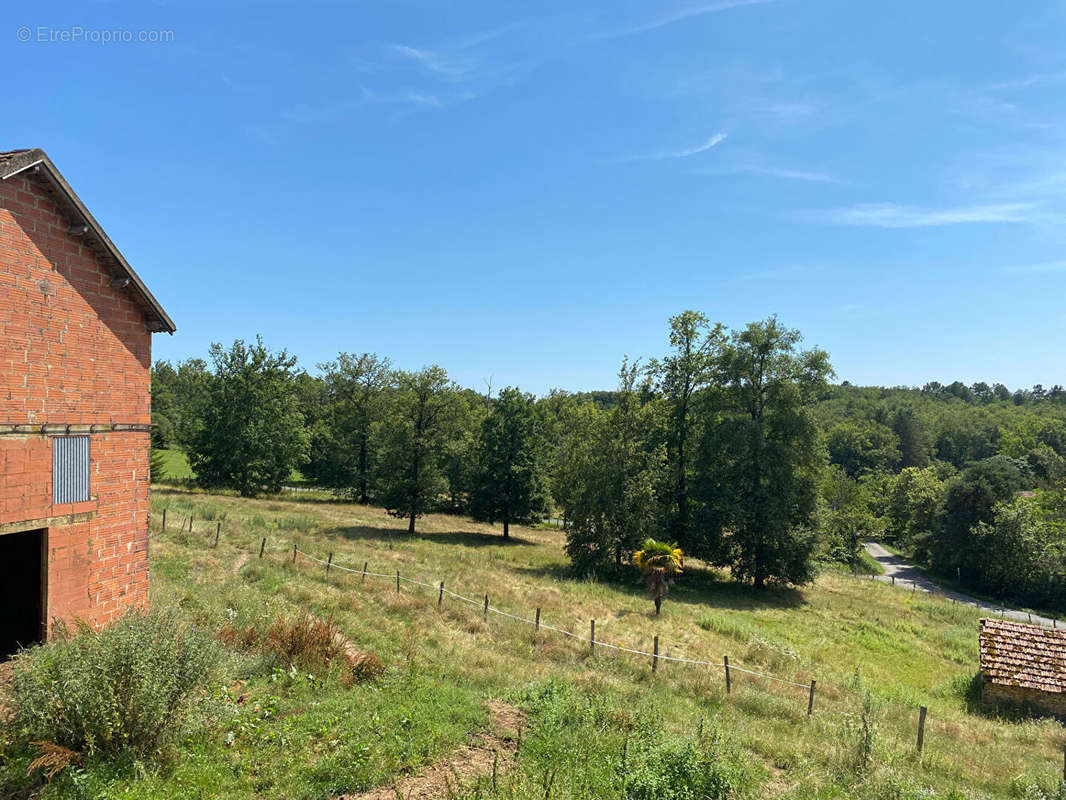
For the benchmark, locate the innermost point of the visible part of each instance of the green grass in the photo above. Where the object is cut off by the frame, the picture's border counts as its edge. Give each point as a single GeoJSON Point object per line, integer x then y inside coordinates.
{"type": "Point", "coordinates": [870, 565]}
{"type": "Point", "coordinates": [957, 586]}
{"type": "Point", "coordinates": [299, 736]}
{"type": "Point", "coordinates": [176, 464]}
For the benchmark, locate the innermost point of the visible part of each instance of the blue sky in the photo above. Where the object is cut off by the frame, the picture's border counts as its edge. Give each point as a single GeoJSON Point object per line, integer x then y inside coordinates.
{"type": "Point", "coordinates": [526, 192]}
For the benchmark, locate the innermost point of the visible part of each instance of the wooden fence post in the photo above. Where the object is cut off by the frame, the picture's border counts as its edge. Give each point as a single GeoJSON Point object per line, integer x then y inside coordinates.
{"type": "Point", "coordinates": [218, 532]}
{"type": "Point", "coordinates": [922, 711]}
{"type": "Point", "coordinates": [397, 581]}
{"type": "Point", "coordinates": [440, 597]}
{"type": "Point", "coordinates": [728, 679]}
{"type": "Point", "coordinates": [893, 580]}
{"type": "Point", "coordinates": [294, 552]}
{"type": "Point", "coordinates": [810, 701]}
{"type": "Point", "coordinates": [364, 571]}
{"type": "Point", "coordinates": [329, 563]}
{"type": "Point", "coordinates": [164, 520]}
{"type": "Point", "coordinates": [486, 607]}
{"type": "Point", "coordinates": [536, 623]}
{"type": "Point", "coordinates": [655, 656]}
{"type": "Point", "coordinates": [592, 635]}
{"type": "Point", "coordinates": [262, 547]}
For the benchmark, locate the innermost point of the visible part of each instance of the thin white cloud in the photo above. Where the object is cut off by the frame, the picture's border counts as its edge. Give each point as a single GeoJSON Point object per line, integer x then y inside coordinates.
{"type": "Point", "coordinates": [891, 215]}
{"type": "Point", "coordinates": [452, 68]}
{"type": "Point", "coordinates": [1028, 80]}
{"type": "Point", "coordinates": [783, 272]}
{"type": "Point", "coordinates": [450, 72]}
{"type": "Point", "coordinates": [412, 98]}
{"type": "Point", "coordinates": [714, 141]}
{"type": "Point", "coordinates": [761, 275]}
{"type": "Point", "coordinates": [1045, 266]}
{"type": "Point", "coordinates": [684, 152]}
{"type": "Point", "coordinates": [678, 16]}
{"type": "Point", "coordinates": [781, 172]}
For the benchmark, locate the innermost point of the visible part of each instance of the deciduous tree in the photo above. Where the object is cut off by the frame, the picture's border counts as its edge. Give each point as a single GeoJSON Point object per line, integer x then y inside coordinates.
{"type": "Point", "coordinates": [250, 435]}
{"type": "Point", "coordinates": [695, 345]}
{"type": "Point", "coordinates": [509, 482]}
{"type": "Point", "coordinates": [356, 388]}
{"type": "Point", "coordinates": [760, 462]}
{"type": "Point", "coordinates": [613, 472]}
{"type": "Point", "coordinates": [419, 422]}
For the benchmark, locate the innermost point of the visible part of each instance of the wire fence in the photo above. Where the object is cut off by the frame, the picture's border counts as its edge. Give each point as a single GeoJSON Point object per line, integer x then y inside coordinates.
{"type": "Point", "coordinates": [539, 624]}
{"type": "Point", "coordinates": [729, 668]}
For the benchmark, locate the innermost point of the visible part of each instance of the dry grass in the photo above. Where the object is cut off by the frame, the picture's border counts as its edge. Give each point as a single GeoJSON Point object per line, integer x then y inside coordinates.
{"type": "Point", "coordinates": [849, 634]}
{"type": "Point", "coordinates": [53, 759]}
{"type": "Point", "coordinates": [309, 643]}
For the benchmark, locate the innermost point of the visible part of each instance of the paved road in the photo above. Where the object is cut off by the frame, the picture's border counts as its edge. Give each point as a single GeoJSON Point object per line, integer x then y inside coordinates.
{"type": "Point", "coordinates": [908, 577]}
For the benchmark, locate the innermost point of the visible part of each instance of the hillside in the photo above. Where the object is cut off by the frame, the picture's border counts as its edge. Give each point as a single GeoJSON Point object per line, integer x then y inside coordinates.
{"type": "Point", "coordinates": [297, 736]}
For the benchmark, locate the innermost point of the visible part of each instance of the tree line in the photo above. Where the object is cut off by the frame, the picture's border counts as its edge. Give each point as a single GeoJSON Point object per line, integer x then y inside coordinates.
{"type": "Point", "coordinates": [731, 443]}
{"type": "Point", "coordinates": [967, 480]}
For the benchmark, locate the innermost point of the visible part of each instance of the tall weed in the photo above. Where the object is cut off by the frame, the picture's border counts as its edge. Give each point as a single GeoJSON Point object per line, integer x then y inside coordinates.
{"type": "Point", "coordinates": [130, 686]}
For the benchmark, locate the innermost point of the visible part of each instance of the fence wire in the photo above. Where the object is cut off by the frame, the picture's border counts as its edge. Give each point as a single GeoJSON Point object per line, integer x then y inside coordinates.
{"type": "Point", "coordinates": [482, 604]}
{"type": "Point", "coordinates": [578, 637]}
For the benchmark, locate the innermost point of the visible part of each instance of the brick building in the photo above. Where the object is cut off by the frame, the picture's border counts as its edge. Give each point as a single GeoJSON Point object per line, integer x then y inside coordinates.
{"type": "Point", "coordinates": [1023, 665]}
{"type": "Point", "coordinates": [75, 353]}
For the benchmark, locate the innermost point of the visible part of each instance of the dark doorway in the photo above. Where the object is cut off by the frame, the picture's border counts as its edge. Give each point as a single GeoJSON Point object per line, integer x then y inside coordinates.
{"type": "Point", "coordinates": [21, 591]}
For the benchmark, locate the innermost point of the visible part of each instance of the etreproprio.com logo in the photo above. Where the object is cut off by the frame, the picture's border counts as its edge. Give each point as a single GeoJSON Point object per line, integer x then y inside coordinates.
{"type": "Point", "coordinates": [46, 34]}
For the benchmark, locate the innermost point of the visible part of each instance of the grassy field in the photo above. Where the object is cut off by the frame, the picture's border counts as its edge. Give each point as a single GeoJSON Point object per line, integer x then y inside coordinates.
{"type": "Point", "coordinates": [176, 468]}
{"type": "Point", "coordinates": [176, 465]}
{"type": "Point", "coordinates": [598, 723]}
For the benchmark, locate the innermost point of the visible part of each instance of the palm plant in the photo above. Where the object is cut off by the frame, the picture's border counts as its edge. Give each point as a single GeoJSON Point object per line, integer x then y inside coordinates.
{"type": "Point", "coordinates": [659, 562]}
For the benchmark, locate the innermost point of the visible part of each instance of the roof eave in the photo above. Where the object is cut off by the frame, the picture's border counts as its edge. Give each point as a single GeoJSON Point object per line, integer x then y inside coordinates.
{"type": "Point", "coordinates": [37, 160]}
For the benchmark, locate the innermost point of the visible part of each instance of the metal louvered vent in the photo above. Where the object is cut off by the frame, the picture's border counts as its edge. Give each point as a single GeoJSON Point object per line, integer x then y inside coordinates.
{"type": "Point", "coordinates": [70, 469]}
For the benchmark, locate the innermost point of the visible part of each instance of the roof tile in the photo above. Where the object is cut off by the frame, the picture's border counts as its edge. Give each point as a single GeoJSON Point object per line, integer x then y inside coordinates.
{"type": "Point", "coordinates": [1016, 654]}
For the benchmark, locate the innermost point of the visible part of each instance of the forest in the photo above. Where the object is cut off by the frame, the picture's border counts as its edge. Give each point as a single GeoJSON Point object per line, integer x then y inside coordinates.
{"type": "Point", "coordinates": [734, 444]}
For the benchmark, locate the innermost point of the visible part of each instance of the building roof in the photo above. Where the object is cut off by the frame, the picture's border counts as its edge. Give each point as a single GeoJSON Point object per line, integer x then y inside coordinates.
{"type": "Point", "coordinates": [15, 162]}
{"type": "Point", "coordinates": [1028, 656]}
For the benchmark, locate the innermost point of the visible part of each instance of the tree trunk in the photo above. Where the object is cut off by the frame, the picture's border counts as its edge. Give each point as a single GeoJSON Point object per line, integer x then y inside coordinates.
{"type": "Point", "coordinates": [411, 522]}
{"type": "Point", "coordinates": [682, 488]}
{"type": "Point", "coordinates": [363, 497]}
{"type": "Point", "coordinates": [506, 529]}
{"type": "Point", "coordinates": [658, 604]}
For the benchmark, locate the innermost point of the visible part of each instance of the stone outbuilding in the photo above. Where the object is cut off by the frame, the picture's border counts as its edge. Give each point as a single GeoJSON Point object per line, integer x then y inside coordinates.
{"type": "Point", "coordinates": [75, 410]}
{"type": "Point", "coordinates": [1023, 665]}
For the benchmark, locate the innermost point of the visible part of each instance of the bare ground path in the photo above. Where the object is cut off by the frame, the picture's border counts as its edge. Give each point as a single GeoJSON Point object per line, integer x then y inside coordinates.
{"type": "Point", "coordinates": [441, 780]}
{"type": "Point", "coordinates": [910, 577]}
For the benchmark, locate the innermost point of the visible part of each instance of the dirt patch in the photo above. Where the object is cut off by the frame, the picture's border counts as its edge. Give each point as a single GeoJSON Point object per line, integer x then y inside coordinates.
{"type": "Point", "coordinates": [439, 779]}
{"type": "Point", "coordinates": [7, 677]}
{"type": "Point", "coordinates": [242, 559]}
{"type": "Point", "coordinates": [506, 719]}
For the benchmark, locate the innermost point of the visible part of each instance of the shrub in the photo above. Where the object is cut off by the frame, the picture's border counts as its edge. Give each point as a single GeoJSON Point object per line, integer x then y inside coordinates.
{"type": "Point", "coordinates": [130, 686]}
{"type": "Point", "coordinates": [680, 769]}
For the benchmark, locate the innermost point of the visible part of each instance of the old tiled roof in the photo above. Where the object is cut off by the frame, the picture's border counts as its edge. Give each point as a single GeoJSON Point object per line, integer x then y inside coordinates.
{"type": "Point", "coordinates": [1016, 654]}
{"type": "Point", "coordinates": [10, 154]}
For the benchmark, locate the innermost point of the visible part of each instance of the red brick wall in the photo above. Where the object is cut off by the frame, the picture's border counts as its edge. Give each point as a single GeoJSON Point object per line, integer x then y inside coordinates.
{"type": "Point", "coordinates": [73, 351]}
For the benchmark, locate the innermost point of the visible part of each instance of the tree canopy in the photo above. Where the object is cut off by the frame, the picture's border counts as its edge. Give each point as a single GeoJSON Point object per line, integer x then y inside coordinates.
{"type": "Point", "coordinates": [249, 434]}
